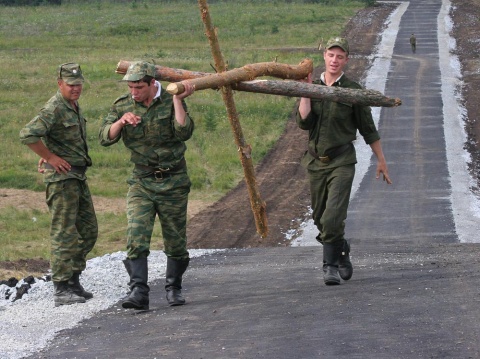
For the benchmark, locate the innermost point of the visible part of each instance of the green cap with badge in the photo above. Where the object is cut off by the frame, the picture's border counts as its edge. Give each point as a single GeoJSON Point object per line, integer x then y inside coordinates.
{"type": "Point", "coordinates": [71, 73]}
{"type": "Point", "coordinates": [338, 42]}
{"type": "Point", "coordinates": [138, 70]}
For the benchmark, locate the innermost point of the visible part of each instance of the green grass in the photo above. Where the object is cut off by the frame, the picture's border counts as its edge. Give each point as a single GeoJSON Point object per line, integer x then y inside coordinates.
{"type": "Point", "coordinates": [34, 41]}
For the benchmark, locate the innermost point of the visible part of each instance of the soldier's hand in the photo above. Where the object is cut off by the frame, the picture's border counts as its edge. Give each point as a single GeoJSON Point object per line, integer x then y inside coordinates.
{"type": "Point", "coordinates": [40, 167]}
{"type": "Point", "coordinates": [384, 173]}
{"type": "Point", "coordinates": [130, 119]}
{"type": "Point", "coordinates": [189, 88]}
{"type": "Point", "coordinates": [308, 79]}
{"type": "Point", "coordinates": [59, 164]}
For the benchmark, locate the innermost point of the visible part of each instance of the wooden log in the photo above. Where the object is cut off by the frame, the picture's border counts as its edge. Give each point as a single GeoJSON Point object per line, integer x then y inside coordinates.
{"type": "Point", "coordinates": [363, 97]}
{"type": "Point", "coordinates": [163, 73]}
{"type": "Point", "coordinates": [282, 88]}
{"type": "Point", "coordinates": [247, 73]}
{"type": "Point", "coordinates": [244, 150]}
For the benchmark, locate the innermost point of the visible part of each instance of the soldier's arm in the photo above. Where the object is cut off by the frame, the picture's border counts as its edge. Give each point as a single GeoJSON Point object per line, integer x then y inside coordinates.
{"type": "Point", "coordinates": [381, 162]}
{"type": "Point", "coordinates": [180, 112]}
{"type": "Point", "coordinates": [305, 105]}
{"type": "Point", "coordinates": [60, 165]}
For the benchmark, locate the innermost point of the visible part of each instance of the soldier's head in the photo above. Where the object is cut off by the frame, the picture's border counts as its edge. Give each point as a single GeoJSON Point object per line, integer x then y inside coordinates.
{"type": "Point", "coordinates": [336, 56]}
{"type": "Point", "coordinates": [140, 75]}
{"type": "Point", "coordinates": [70, 80]}
{"type": "Point", "coordinates": [71, 73]}
{"type": "Point", "coordinates": [140, 71]}
{"type": "Point", "coordinates": [339, 42]}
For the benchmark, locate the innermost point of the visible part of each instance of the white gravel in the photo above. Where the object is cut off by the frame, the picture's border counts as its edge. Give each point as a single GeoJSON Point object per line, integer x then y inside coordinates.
{"type": "Point", "coordinates": [28, 324]}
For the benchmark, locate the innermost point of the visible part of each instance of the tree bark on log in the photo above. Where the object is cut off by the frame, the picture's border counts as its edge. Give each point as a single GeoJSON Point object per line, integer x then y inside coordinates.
{"type": "Point", "coordinates": [363, 97]}
{"type": "Point", "coordinates": [247, 73]}
{"type": "Point", "coordinates": [164, 73]}
{"type": "Point", "coordinates": [244, 150]}
{"type": "Point", "coordinates": [282, 88]}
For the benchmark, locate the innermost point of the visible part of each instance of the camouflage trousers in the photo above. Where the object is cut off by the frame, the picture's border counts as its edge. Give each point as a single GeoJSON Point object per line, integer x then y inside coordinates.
{"type": "Point", "coordinates": [167, 198]}
{"type": "Point", "coordinates": [74, 229]}
{"type": "Point", "coordinates": [330, 193]}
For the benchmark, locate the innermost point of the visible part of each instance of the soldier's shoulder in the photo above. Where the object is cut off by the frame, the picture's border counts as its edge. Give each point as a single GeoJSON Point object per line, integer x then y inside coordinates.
{"type": "Point", "coordinates": [54, 104]}
{"type": "Point", "coordinates": [122, 99]}
{"type": "Point", "coordinates": [350, 83]}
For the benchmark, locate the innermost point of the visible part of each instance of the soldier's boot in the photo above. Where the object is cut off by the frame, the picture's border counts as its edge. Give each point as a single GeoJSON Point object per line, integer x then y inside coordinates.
{"type": "Point", "coordinates": [331, 256]}
{"type": "Point", "coordinates": [345, 267]}
{"type": "Point", "coordinates": [138, 297]}
{"type": "Point", "coordinates": [173, 279]}
{"type": "Point", "coordinates": [63, 294]}
{"type": "Point", "coordinates": [77, 288]}
{"type": "Point", "coordinates": [128, 267]}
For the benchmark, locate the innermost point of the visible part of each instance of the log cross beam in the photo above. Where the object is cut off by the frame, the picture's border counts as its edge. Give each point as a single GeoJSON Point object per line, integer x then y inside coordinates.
{"type": "Point", "coordinates": [246, 73]}
{"type": "Point", "coordinates": [364, 97]}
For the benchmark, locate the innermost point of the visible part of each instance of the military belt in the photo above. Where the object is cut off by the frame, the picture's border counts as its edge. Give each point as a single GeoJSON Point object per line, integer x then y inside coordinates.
{"type": "Point", "coordinates": [161, 172]}
{"type": "Point", "coordinates": [74, 169]}
{"type": "Point", "coordinates": [331, 153]}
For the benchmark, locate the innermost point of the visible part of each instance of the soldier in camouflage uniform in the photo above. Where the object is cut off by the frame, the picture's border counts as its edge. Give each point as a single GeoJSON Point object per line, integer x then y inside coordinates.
{"type": "Point", "coordinates": [330, 159]}
{"type": "Point", "coordinates": [58, 135]}
{"type": "Point", "coordinates": [154, 126]}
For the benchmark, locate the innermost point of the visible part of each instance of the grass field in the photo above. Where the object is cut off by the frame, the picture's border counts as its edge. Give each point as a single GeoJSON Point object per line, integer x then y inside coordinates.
{"type": "Point", "coordinates": [34, 41]}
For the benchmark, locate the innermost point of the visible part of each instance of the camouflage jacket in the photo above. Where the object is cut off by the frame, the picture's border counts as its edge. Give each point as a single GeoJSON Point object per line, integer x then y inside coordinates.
{"type": "Point", "coordinates": [63, 131]}
{"type": "Point", "coordinates": [158, 140]}
{"type": "Point", "coordinates": [332, 124]}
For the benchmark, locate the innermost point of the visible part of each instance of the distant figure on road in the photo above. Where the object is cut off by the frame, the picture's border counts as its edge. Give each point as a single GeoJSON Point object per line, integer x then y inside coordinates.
{"type": "Point", "coordinates": [58, 135]}
{"type": "Point", "coordinates": [331, 158]}
{"type": "Point", "coordinates": [154, 126]}
{"type": "Point", "coordinates": [413, 43]}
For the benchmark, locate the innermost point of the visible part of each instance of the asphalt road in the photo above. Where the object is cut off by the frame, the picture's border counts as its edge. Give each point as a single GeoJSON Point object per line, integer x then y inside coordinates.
{"type": "Point", "coordinates": [415, 291]}
{"type": "Point", "coordinates": [417, 208]}
{"type": "Point", "coordinates": [270, 303]}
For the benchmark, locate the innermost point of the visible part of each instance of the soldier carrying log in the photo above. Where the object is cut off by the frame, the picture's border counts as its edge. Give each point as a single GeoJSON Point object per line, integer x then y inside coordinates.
{"type": "Point", "coordinates": [331, 158]}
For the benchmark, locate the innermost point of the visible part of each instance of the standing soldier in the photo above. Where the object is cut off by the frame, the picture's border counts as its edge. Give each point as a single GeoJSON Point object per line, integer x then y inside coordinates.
{"type": "Point", "coordinates": [413, 43]}
{"type": "Point", "coordinates": [154, 126]}
{"type": "Point", "coordinates": [58, 135]}
{"type": "Point", "coordinates": [331, 158]}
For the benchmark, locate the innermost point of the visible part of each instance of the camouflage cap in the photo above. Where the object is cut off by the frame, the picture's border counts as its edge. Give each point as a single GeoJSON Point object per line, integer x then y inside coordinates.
{"type": "Point", "coordinates": [138, 70]}
{"type": "Point", "coordinates": [71, 73]}
{"type": "Point", "coordinates": [338, 42]}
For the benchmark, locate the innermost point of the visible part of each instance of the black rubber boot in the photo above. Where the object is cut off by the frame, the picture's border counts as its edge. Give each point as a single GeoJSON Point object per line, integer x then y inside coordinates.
{"type": "Point", "coordinates": [331, 256]}
{"type": "Point", "coordinates": [77, 288]}
{"type": "Point", "coordinates": [138, 297]}
{"type": "Point", "coordinates": [128, 267]}
{"type": "Point", "coordinates": [345, 267]}
{"type": "Point", "coordinates": [63, 294]}
{"type": "Point", "coordinates": [173, 279]}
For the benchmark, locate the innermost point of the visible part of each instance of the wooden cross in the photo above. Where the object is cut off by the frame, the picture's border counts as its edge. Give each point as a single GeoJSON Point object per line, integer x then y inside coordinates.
{"type": "Point", "coordinates": [243, 79]}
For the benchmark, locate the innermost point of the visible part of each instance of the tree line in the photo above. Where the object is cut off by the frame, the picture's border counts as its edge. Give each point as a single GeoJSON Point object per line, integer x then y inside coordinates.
{"type": "Point", "coordinates": [59, 2]}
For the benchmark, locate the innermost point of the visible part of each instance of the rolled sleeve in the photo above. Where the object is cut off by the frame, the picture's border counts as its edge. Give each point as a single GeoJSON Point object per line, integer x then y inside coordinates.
{"type": "Point", "coordinates": [371, 137]}
{"type": "Point", "coordinates": [366, 125]}
{"type": "Point", "coordinates": [29, 139]}
{"type": "Point", "coordinates": [33, 131]}
{"type": "Point", "coordinates": [107, 123]}
{"type": "Point", "coordinates": [104, 138]}
{"type": "Point", "coordinates": [184, 132]}
{"type": "Point", "coordinates": [305, 123]}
